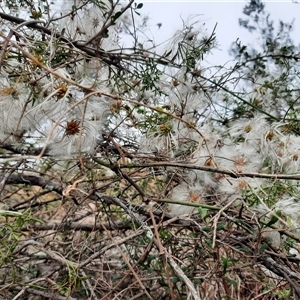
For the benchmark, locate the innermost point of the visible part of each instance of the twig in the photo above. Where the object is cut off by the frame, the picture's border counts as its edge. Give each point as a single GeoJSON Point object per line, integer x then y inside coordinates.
{"type": "Point", "coordinates": [91, 289]}
{"type": "Point", "coordinates": [184, 278]}
{"type": "Point", "coordinates": [140, 260]}
{"type": "Point", "coordinates": [176, 268]}
{"type": "Point", "coordinates": [104, 249]}
{"type": "Point", "coordinates": [44, 183]}
{"type": "Point", "coordinates": [8, 174]}
{"type": "Point", "coordinates": [80, 226]}
{"type": "Point", "coordinates": [44, 294]}
{"type": "Point", "coordinates": [269, 291]}
{"type": "Point", "coordinates": [128, 264]}
{"type": "Point", "coordinates": [215, 223]}
{"type": "Point", "coordinates": [160, 246]}
{"type": "Point", "coordinates": [105, 27]}
{"type": "Point", "coordinates": [27, 286]}
{"type": "Point", "coordinates": [12, 32]}
{"type": "Point", "coordinates": [230, 173]}
{"type": "Point", "coordinates": [162, 251]}
{"type": "Point", "coordinates": [282, 271]}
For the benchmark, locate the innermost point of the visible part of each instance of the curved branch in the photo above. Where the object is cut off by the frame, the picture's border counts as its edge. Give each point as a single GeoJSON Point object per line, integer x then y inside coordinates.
{"type": "Point", "coordinates": [34, 26]}
{"type": "Point", "coordinates": [44, 183]}
{"type": "Point", "coordinates": [108, 58]}
{"type": "Point", "coordinates": [228, 172]}
{"type": "Point", "coordinates": [81, 226]}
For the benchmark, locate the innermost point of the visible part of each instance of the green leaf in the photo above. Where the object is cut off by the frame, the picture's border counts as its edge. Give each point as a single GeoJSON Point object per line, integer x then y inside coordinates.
{"type": "Point", "coordinates": [8, 213]}
{"type": "Point", "coordinates": [206, 229]}
{"type": "Point", "coordinates": [289, 221]}
{"type": "Point", "coordinates": [105, 34]}
{"type": "Point", "coordinates": [175, 279]}
{"type": "Point", "coordinates": [139, 6]}
{"type": "Point", "coordinates": [202, 212]}
{"type": "Point", "coordinates": [231, 281]}
{"type": "Point", "coordinates": [220, 227]}
{"type": "Point", "coordinates": [162, 282]}
{"type": "Point", "coordinates": [116, 15]}
{"type": "Point", "coordinates": [225, 263]}
{"type": "Point", "coordinates": [263, 247]}
{"type": "Point", "coordinates": [167, 54]}
{"type": "Point", "coordinates": [274, 218]}
{"type": "Point", "coordinates": [161, 62]}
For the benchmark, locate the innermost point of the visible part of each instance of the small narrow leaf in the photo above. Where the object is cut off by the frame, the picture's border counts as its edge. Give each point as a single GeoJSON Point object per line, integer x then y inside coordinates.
{"type": "Point", "coordinates": [116, 15]}
{"type": "Point", "coordinates": [274, 218]}
{"type": "Point", "coordinates": [263, 247]}
{"type": "Point", "coordinates": [168, 53]}
{"type": "Point", "coordinates": [272, 221]}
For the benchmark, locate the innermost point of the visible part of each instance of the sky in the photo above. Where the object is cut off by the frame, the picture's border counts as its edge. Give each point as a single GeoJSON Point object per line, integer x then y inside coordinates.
{"type": "Point", "coordinates": [223, 13]}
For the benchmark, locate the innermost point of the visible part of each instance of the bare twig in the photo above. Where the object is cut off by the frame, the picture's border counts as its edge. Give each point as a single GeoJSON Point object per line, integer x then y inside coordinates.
{"type": "Point", "coordinates": [14, 31]}
{"type": "Point", "coordinates": [104, 249]}
{"type": "Point", "coordinates": [8, 174]}
{"type": "Point", "coordinates": [216, 219]}
{"type": "Point", "coordinates": [230, 173]}
{"type": "Point", "coordinates": [125, 258]}
{"type": "Point", "coordinates": [108, 24]}
{"type": "Point", "coordinates": [43, 294]}
{"type": "Point", "coordinates": [283, 271]}
{"type": "Point", "coordinates": [183, 277]}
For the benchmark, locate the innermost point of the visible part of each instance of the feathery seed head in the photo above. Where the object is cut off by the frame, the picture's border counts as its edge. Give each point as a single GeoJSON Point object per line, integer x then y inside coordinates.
{"type": "Point", "coordinates": [61, 90]}
{"type": "Point", "coordinates": [73, 127]}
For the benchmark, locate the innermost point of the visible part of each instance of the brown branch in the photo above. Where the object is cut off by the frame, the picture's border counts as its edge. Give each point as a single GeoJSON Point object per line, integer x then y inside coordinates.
{"type": "Point", "coordinates": [106, 57]}
{"type": "Point", "coordinates": [282, 271]}
{"type": "Point", "coordinates": [104, 249]}
{"type": "Point", "coordinates": [80, 226]}
{"type": "Point", "coordinates": [45, 183]}
{"type": "Point", "coordinates": [126, 260]}
{"type": "Point", "coordinates": [8, 174]}
{"type": "Point", "coordinates": [11, 33]}
{"type": "Point", "coordinates": [172, 262]}
{"type": "Point", "coordinates": [34, 26]}
{"type": "Point", "coordinates": [42, 293]}
{"type": "Point", "coordinates": [12, 148]}
{"type": "Point", "coordinates": [230, 173]}
{"type": "Point", "coordinates": [190, 286]}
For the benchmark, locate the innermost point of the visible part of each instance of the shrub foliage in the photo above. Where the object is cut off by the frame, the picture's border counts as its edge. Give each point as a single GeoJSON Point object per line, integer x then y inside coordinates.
{"type": "Point", "coordinates": [131, 170]}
